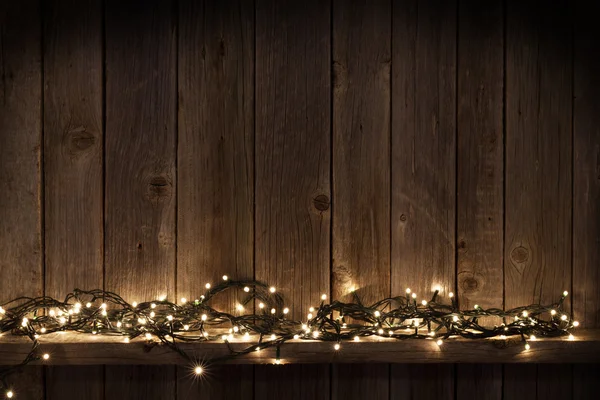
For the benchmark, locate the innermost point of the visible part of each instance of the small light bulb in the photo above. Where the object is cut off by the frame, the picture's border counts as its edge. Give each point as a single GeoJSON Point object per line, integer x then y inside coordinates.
{"type": "Point", "coordinates": [323, 297]}
{"type": "Point", "coordinates": [201, 298]}
{"type": "Point", "coordinates": [261, 305]}
{"type": "Point", "coordinates": [169, 317]}
{"type": "Point", "coordinates": [407, 290]}
{"type": "Point", "coordinates": [336, 346]}
{"type": "Point", "coordinates": [451, 295]}
{"type": "Point", "coordinates": [440, 342]}
{"type": "Point", "coordinates": [46, 356]}
{"type": "Point", "coordinates": [353, 289]}
{"type": "Point", "coordinates": [224, 337]}
{"type": "Point", "coordinates": [142, 321]}
{"type": "Point", "coordinates": [525, 314]}
{"type": "Point", "coordinates": [309, 316]}
{"type": "Point", "coordinates": [553, 312]}
{"type": "Point", "coordinates": [304, 326]}
{"type": "Point", "coordinates": [571, 337]}
{"type": "Point", "coordinates": [225, 277]}
{"type": "Point", "coordinates": [62, 320]}
{"type": "Point", "coordinates": [126, 340]}
{"type": "Point", "coordinates": [424, 302]}
{"type": "Point", "coordinates": [380, 331]}
{"type": "Point", "coordinates": [455, 318]}
{"type": "Point", "coordinates": [119, 324]}
{"type": "Point", "coordinates": [43, 330]}
{"type": "Point", "coordinates": [186, 327]}
{"type": "Point", "coordinates": [316, 334]}
{"type": "Point", "coordinates": [10, 394]}
{"type": "Point", "coordinates": [273, 337]}
{"type": "Point", "coordinates": [24, 322]}
{"type": "Point", "coordinates": [104, 313]}
{"type": "Point", "coordinates": [437, 288]}
{"type": "Point", "coordinates": [162, 297]}
{"type": "Point", "coordinates": [88, 305]}
{"type": "Point", "coordinates": [152, 314]}
{"type": "Point", "coordinates": [236, 329]}
{"type": "Point", "coordinates": [246, 289]}
{"type": "Point", "coordinates": [296, 337]}
{"type": "Point", "coordinates": [273, 311]}
{"type": "Point", "coordinates": [356, 339]}
{"type": "Point", "coordinates": [246, 335]}
{"type": "Point", "coordinates": [239, 307]}
{"type": "Point", "coordinates": [575, 323]}
{"type": "Point", "coordinates": [286, 310]}
{"type": "Point", "coordinates": [148, 336]}
{"type": "Point", "coordinates": [152, 305]}
{"type": "Point", "coordinates": [476, 306]}
{"type": "Point", "coordinates": [2, 310]}
{"type": "Point", "coordinates": [432, 334]}
{"type": "Point", "coordinates": [527, 346]}
{"type": "Point", "coordinates": [257, 349]}
{"type": "Point", "coordinates": [563, 317]}
{"type": "Point", "coordinates": [272, 289]}
{"type": "Point", "coordinates": [183, 300]}
{"type": "Point", "coordinates": [230, 337]}
{"type": "Point", "coordinates": [71, 312]}
{"type": "Point", "coordinates": [103, 305]}
{"type": "Point", "coordinates": [52, 313]}
{"type": "Point", "coordinates": [134, 304]}
{"type": "Point", "coordinates": [414, 295]}
{"type": "Point", "coordinates": [312, 309]}
{"type": "Point", "coordinates": [207, 286]}
{"type": "Point", "coordinates": [565, 293]}
{"type": "Point", "coordinates": [532, 338]}
{"type": "Point", "coordinates": [198, 370]}
{"type": "Point", "coordinates": [377, 313]}
{"type": "Point", "coordinates": [277, 361]}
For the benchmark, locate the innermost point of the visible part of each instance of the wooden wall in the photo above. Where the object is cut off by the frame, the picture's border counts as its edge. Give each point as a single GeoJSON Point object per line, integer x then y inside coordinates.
{"type": "Point", "coordinates": [150, 146]}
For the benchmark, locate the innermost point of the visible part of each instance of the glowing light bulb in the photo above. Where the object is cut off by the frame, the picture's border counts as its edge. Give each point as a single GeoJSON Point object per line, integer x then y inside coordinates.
{"type": "Point", "coordinates": [563, 317]}
{"type": "Point", "coordinates": [575, 323]}
{"type": "Point", "coordinates": [440, 342]}
{"type": "Point", "coordinates": [239, 307]}
{"type": "Point", "coordinates": [455, 318]}
{"type": "Point", "coordinates": [119, 324]}
{"type": "Point", "coordinates": [532, 338]}
{"type": "Point", "coordinates": [46, 356]}
{"type": "Point", "coordinates": [162, 297]}
{"type": "Point", "coordinates": [380, 331]}
{"type": "Point", "coordinates": [152, 305]}
{"type": "Point", "coordinates": [62, 320]}
{"type": "Point", "coordinates": [316, 334]}
{"type": "Point", "coordinates": [230, 337]}
{"type": "Point", "coordinates": [10, 394]}
{"type": "Point", "coordinates": [353, 289]}
{"type": "Point", "coordinates": [152, 314]}
{"type": "Point", "coordinates": [169, 317]}
{"type": "Point", "coordinates": [24, 322]}
{"type": "Point", "coordinates": [525, 314]}
{"type": "Point", "coordinates": [527, 346]}
{"type": "Point", "coordinates": [134, 304]}
{"type": "Point", "coordinates": [126, 340]}
{"type": "Point", "coordinates": [414, 295]}
{"type": "Point", "coordinates": [148, 336]}
{"type": "Point", "coordinates": [286, 310]}
{"type": "Point", "coordinates": [437, 288]}
{"type": "Point", "coordinates": [2, 311]}
{"type": "Point", "coordinates": [203, 317]}
{"type": "Point", "coordinates": [451, 295]}
{"type": "Point", "coordinates": [236, 329]}
{"type": "Point", "coordinates": [43, 330]}
{"type": "Point", "coordinates": [304, 326]}
{"type": "Point", "coordinates": [272, 289]}
{"type": "Point", "coordinates": [377, 313]}
{"type": "Point", "coordinates": [312, 309]}
{"type": "Point", "coordinates": [52, 313]}
{"type": "Point", "coordinates": [553, 312]}
{"type": "Point", "coordinates": [296, 337]}
{"type": "Point", "coordinates": [142, 321]}
{"type": "Point", "coordinates": [273, 337]}
{"type": "Point", "coordinates": [571, 337]}
{"type": "Point", "coordinates": [432, 334]}
{"type": "Point", "coordinates": [88, 304]}
{"type": "Point", "coordinates": [103, 305]}
{"type": "Point", "coordinates": [336, 346]}
{"type": "Point", "coordinates": [565, 293]}
{"type": "Point", "coordinates": [186, 327]}
{"type": "Point", "coordinates": [207, 286]}
{"type": "Point", "coordinates": [225, 277]}
{"type": "Point", "coordinates": [246, 289]}
{"type": "Point", "coordinates": [224, 337]}
{"type": "Point", "coordinates": [183, 300]}
{"type": "Point", "coordinates": [309, 316]}
{"type": "Point", "coordinates": [407, 290]}
{"type": "Point", "coordinates": [261, 305]}
{"type": "Point", "coordinates": [104, 313]}
{"type": "Point", "coordinates": [246, 335]}
{"type": "Point", "coordinates": [273, 311]}
{"type": "Point", "coordinates": [476, 306]}
{"type": "Point", "coordinates": [424, 302]}
{"type": "Point", "coordinates": [198, 370]}
{"type": "Point", "coordinates": [323, 297]}
{"type": "Point", "coordinates": [257, 349]}
{"type": "Point", "coordinates": [277, 361]}
{"type": "Point", "coordinates": [356, 339]}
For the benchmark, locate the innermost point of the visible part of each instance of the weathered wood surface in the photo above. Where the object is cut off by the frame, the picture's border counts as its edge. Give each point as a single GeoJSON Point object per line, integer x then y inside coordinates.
{"type": "Point", "coordinates": [81, 349]}
{"type": "Point", "coordinates": [21, 170]}
{"type": "Point", "coordinates": [140, 160]}
{"type": "Point", "coordinates": [73, 168]}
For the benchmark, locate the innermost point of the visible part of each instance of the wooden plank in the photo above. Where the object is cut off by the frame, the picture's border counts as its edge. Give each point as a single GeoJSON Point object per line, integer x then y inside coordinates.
{"type": "Point", "coordinates": [215, 176]}
{"type": "Point", "coordinates": [480, 167]}
{"type": "Point", "coordinates": [586, 381]}
{"type": "Point", "coordinates": [292, 382]}
{"type": "Point", "coordinates": [140, 170]}
{"type": "Point", "coordinates": [361, 171]}
{"type": "Point", "coordinates": [421, 381]}
{"type": "Point", "coordinates": [423, 162]}
{"type": "Point", "coordinates": [538, 183]}
{"type": "Point", "coordinates": [293, 160]}
{"type": "Point", "coordinates": [21, 243]}
{"type": "Point", "coordinates": [586, 173]}
{"type": "Point", "coordinates": [554, 381]}
{"type": "Point", "coordinates": [485, 382]}
{"type": "Point", "coordinates": [220, 382]}
{"type": "Point", "coordinates": [81, 349]}
{"type": "Point", "coordinates": [520, 381]}
{"type": "Point", "coordinates": [73, 137]}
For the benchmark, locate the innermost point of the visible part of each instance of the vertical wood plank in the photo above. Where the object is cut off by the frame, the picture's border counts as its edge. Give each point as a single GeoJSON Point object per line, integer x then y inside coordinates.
{"type": "Point", "coordinates": [215, 172]}
{"type": "Point", "coordinates": [480, 164]}
{"type": "Point", "coordinates": [21, 244]}
{"type": "Point", "coordinates": [140, 170]}
{"type": "Point", "coordinates": [425, 381]}
{"type": "Point", "coordinates": [485, 383]}
{"type": "Point", "coordinates": [538, 183]}
{"type": "Point", "coordinates": [423, 164]}
{"type": "Point", "coordinates": [586, 187]}
{"type": "Point", "coordinates": [293, 166]}
{"type": "Point", "coordinates": [220, 382]}
{"type": "Point", "coordinates": [361, 172]}
{"type": "Point", "coordinates": [520, 381]}
{"type": "Point", "coordinates": [294, 382]}
{"type": "Point", "coordinates": [73, 137]}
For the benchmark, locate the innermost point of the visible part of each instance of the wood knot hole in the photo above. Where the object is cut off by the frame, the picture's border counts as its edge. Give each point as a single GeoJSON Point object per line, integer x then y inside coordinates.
{"type": "Point", "coordinates": [519, 255]}
{"type": "Point", "coordinates": [321, 202]}
{"type": "Point", "coordinates": [159, 189]}
{"type": "Point", "coordinates": [403, 218]}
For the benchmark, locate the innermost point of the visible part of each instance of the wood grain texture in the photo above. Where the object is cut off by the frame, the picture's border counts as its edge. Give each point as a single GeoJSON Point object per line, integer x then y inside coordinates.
{"type": "Point", "coordinates": [586, 173]}
{"type": "Point", "coordinates": [586, 381]}
{"type": "Point", "coordinates": [140, 170]}
{"type": "Point", "coordinates": [477, 381]}
{"type": "Point", "coordinates": [293, 161]}
{"type": "Point", "coordinates": [21, 210]}
{"type": "Point", "coordinates": [423, 147]}
{"type": "Point", "coordinates": [361, 171]}
{"type": "Point", "coordinates": [220, 382]}
{"type": "Point", "coordinates": [73, 137]}
{"type": "Point", "coordinates": [555, 381]}
{"type": "Point", "coordinates": [292, 382]}
{"type": "Point", "coordinates": [215, 206]}
{"type": "Point", "coordinates": [416, 382]}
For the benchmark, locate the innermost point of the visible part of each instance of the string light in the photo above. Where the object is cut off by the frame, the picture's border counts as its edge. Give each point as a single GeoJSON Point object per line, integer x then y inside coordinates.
{"type": "Point", "coordinates": [207, 286]}
{"type": "Point", "coordinates": [183, 300]}
{"type": "Point", "coordinates": [336, 346]}
{"type": "Point", "coordinates": [46, 356]}
{"type": "Point", "coordinates": [225, 277]}
{"type": "Point", "coordinates": [323, 297]}
{"type": "Point", "coordinates": [272, 289]}
{"type": "Point", "coordinates": [451, 295]}
{"type": "Point", "coordinates": [198, 370]}
{"type": "Point", "coordinates": [10, 394]}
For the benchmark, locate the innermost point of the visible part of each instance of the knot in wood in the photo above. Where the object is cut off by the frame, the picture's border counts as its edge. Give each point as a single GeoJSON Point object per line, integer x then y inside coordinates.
{"type": "Point", "coordinates": [159, 189]}
{"type": "Point", "coordinates": [321, 202]}
{"type": "Point", "coordinates": [519, 255]}
{"type": "Point", "coordinates": [78, 141]}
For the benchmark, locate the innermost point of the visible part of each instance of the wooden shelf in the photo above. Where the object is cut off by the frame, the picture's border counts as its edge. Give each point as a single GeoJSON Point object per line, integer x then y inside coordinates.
{"type": "Point", "coordinates": [80, 349]}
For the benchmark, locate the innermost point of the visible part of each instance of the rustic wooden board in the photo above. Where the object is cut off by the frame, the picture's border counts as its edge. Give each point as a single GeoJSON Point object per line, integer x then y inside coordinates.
{"type": "Point", "coordinates": [415, 382]}
{"type": "Point", "coordinates": [538, 182]}
{"type": "Point", "coordinates": [21, 240]}
{"type": "Point", "coordinates": [217, 382]}
{"type": "Point", "coordinates": [293, 160]}
{"type": "Point", "coordinates": [477, 381]}
{"type": "Point", "coordinates": [215, 175]}
{"type": "Point", "coordinates": [480, 168]}
{"type": "Point", "coordinates": [140, 170]}
{"type": "Point", "coordinates": [292, 382]}
{"type": "Point", "coordinates": [423, 161]}
{"type": "Point", "coordinates": [73, 190]}
{"type": "Point", "coordinates": [361, 171]}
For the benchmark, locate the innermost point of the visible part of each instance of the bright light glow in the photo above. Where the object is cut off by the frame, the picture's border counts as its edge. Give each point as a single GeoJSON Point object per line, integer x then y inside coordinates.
{"type": "Point", "coordinates": [356, 339]}
{"type": "Point", "coordinates": [126, 340]}
{"type": "Point", "coordinates": [203, 317]}
{"type": "Point", "coordinates": [134, 304]}
{"type": "Point", "coordinates": [272, 289]}
{"type": "Point", "coordinates": [119, 324]}
{"type": "Point", "coordinates": [527, 346]}
{"type": "Point", "coordinates": [432, 334]}
{"type": "Point", "coordinates": [142, 321]}
{"type": "Point", "coordinates": [224, 337]}
{"type": "Point", "coordinates": [273, 311]}
{"type": "Point", "coordinates": [451, 295]}
{"type": "Point", "coordinates": [304, 326]}
{"type": "Point", "coordinates": [323, 297]}
{"type": "Point", "coordinates": [2, 311]}
{"type": "Point", "coordinates": [440, 342]}
{"type": "Point", "coordinates": [62, 320]}
{"type": "Point", "coordinates": [380, 331]}
{"type": "Point", "coordinates": [336, 346]}
{"type": "Point", "coordinates": [183, 300]}
{"type": "Point", "coordinates": [24, 322]}
{"type": "Point", "coordinates": [152, 314]}
{"type": "Point", "coordinates": [246, 335]}
{"type": "Point", "coordinates": [563, 317]}
{"type": "Point", "coordinates": [353, 289]}
{"type": "Point", "coordinates": [46, 356]}
{"type": "Point", "coordinates": [261, 305]}
{"type": "Point", "coordinates": [51, 313]}
{"type": "Point", "coordinates": [553, 312]}
{"type": "Point", "coordinates": [152, 305]}
{"type": "Point", "coordinates": [316, 334]}
{"type": "Point", "coordinates": [162, 297]}
{"type": "Point", "coordinates": [198, 370]}
{"type": "Point", "coordinates": [525, 314]}
{"type": "Point", "coordinates": [575, 323]}
{"type": "Point", "coordinates": [437, 288]}
{"type": "Point", "coordinates": [414, 295]}
{"type": "Point", "coordinates": [377, 314]}
{"type": "Point", "coordinates": [43, 330]}
{"type": "Point", "coordinates": [230, 337]}
{"type": "Point", "coordinates": [532, 338]}
{"type": "Point", "coordinates": [277, 361]}
{"type": "Point", "coordinates": [225, 277]}
{"type": "Point", "coordinates": [239, 307]}
{"type": "Point", "coordinates": [571, 337]}
{"type": "Point", "coordinates": [476, 306]}
{"type": "Point", "coordinates": [10, 394]}
{"type": "Point", "coordinates": [207, 286]}
{"type": "Point", "coordinates": [103, 305]}
{"type": "Point", "coordinates": [273, 337]}
{"type": "Point", "coordinates": [246, 289]}
{"type": "Point", "coordinates": [148, 336]}
{"type": "Point", "coordinates": [186, 327]}
{"type": "Point", "coordinates": [104, 313]}
{"type": "Point", "coordinates": [455, 318]}
{"type": "Point", "coordinates": [286, 310]}
{"type": "Point", "coordinates": [565, 293]}
{"type": "Point", "coordinates": [169, 317]}
{"type": "Point", "coordinates": [312, 309]}
{"type": "Point", "coordinates": [407, 290]}
{"type": "Point", "coordinates": [296, 337]}
{"type": "Point", "coordinates": [424, 302]}
{"type": "Point", "coordinates": [309, 316]}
